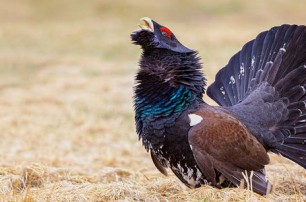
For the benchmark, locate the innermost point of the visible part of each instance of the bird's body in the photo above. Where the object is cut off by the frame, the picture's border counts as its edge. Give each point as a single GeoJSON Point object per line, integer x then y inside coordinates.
{"type": "Point", "coordinates": [162, 118]}
{"type": "Point", "coordinates": [261, 110]}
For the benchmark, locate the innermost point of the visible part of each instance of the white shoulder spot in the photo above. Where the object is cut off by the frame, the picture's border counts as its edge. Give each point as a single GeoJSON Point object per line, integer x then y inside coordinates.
{"type": "Point", "coordinates": [194, 119]}
{"type": "Point", "coordinates": [191, 147]}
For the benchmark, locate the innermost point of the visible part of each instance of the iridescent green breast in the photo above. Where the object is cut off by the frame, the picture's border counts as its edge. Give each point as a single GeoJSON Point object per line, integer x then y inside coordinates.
{"type": "Point", "coordinates": [178, 100]}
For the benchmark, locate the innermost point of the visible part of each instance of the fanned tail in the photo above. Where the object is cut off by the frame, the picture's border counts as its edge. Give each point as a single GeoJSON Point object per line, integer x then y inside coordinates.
{"type": "Point", "coordinates": [264, 85]}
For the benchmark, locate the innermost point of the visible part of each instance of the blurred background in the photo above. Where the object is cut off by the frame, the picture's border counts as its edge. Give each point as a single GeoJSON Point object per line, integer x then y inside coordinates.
{"type": "Point", "coordinates": [66, 78]}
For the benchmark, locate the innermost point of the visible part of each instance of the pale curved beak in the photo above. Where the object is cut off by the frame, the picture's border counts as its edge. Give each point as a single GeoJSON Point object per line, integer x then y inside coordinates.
{"type": "Point", "coordinates": [146, 23]}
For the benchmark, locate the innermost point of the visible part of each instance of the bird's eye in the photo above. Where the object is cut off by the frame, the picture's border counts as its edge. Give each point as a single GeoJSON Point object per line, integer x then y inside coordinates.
{"type": "Point", "coordinates": [165, 32]}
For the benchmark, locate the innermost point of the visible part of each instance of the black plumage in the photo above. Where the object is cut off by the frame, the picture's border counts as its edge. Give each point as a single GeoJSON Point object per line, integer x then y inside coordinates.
{"type": "Point", "coordinates": [263, 107]}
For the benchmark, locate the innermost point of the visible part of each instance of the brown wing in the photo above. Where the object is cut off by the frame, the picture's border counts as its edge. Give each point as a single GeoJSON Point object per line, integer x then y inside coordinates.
{"type": "Point", "coordinates": [222, 142]}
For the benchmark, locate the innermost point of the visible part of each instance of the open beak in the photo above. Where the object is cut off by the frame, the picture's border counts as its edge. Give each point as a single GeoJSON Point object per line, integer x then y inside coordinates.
{"type": "Point", "coordinates": [146, 24]}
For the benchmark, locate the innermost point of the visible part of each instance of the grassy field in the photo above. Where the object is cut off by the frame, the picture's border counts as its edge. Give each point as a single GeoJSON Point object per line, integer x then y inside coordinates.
{"type": "Point", "coordinates": [66, 113]}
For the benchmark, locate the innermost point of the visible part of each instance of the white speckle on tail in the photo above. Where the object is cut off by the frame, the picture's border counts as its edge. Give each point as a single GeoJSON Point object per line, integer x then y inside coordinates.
{"type": "Point", "coordinates": [194, 119]}
{"type": "Point", "coordinates": [283, 48]}
{"type": "Point", "coordinates": [269, 64]}
{"type": "Point", "coordinates": [241, 72]}
{"type": "Point", "coordinates": [222, 90]}
{"type": "Point", "coordinates": [232, 80]}
{"type": "Point", "coordinates": [253, 62]}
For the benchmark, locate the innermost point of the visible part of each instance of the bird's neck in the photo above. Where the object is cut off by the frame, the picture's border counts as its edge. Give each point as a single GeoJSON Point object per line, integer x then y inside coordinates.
{"type": "Point", "coordinates": [167, 83]}
{"type": "Point", "coordinates": [162, 66]}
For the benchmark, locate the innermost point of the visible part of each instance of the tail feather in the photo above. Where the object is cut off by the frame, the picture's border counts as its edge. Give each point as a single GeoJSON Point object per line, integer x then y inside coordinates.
{"type": "Point", "coordinates": [296, 157]}
{"type": "Point", "coordinates": [302, 119]}
{"type": "Point", "coordinates": [265, 85]}
{"type": "Point", "coordinates": [295, 93]}
{"type": "Point", "coordinates": [260, 184]}
{"type": "Point", "coordinates": [293, 140]}
{"type": "Point", "coordinates": [245, 60]}
{"type": "Point", "coordinates": [301, 130]}
{"type": "Point", "coordinates": [301, 105]}
{"type": "Point", "coordinates": [294, 78]}
{"type": "Point", "coordinates": [292, 117]}
{"type": "Point", "coordinates": [296, 51]}
{"type": "Point", "coordinates": [270, 57]}
{"type": "Point", "coordinates": [271, 75]}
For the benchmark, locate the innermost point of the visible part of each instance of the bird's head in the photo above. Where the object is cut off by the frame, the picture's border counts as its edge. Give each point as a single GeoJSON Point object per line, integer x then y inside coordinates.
{"type": "Point", "coordinates": [165, 61]}
{"type": "Point", "coordinates": [153, 35]}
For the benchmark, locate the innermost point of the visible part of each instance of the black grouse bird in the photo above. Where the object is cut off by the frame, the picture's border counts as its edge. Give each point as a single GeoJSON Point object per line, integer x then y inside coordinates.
{"type": "Point", "coordinates": [261, 93]}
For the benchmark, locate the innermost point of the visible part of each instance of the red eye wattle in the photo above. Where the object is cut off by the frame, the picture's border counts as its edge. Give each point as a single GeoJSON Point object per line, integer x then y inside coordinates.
{"type": "Point", "coordinates": [166, 32]}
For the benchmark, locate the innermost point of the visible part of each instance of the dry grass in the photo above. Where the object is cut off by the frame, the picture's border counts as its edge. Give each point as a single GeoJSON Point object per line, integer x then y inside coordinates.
{"type": "Point", "coordinates": [66, 77]}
